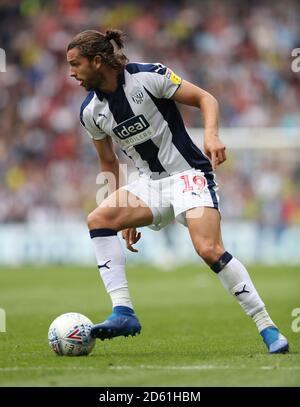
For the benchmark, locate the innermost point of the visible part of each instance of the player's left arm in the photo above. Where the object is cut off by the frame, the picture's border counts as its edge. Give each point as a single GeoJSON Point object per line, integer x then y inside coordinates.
{"type": "Point", "coordinates": [192, 95]}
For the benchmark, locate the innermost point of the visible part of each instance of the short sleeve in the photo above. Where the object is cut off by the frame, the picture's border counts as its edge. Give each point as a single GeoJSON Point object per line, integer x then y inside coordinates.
{"type": "Point", "coordinates": [161, 81]}
{"type": "Point", "coordinates": [92, 128]}
{"type": "Point", "coordinates": [88, 121]}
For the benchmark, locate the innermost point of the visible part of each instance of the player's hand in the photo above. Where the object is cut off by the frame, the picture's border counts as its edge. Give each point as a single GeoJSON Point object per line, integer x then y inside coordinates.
{"type": "Point", "coordinates": [215, 150]}
{"type": "Point", "coordinates": [131, 236]}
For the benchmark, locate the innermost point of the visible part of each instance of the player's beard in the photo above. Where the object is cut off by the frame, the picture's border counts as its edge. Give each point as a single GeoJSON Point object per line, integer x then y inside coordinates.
{"type": "Point", "coordinates": [95, 82]}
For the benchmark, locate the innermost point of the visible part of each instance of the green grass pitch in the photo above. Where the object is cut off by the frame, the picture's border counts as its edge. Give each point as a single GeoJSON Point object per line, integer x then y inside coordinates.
{"type": "Point", "coordinates": [194, 333]}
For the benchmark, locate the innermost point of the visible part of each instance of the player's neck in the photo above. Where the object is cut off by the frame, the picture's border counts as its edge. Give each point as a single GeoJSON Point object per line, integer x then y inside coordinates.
{"type": "Point", "coordinates": [110, 80]}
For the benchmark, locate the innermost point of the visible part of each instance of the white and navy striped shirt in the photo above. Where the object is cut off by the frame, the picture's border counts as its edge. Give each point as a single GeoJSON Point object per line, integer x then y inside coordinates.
{"type": "Point", "coordinates": [143, 120]}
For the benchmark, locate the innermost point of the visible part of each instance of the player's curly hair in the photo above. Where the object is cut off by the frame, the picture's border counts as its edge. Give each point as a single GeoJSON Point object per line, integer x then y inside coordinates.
{"type": "Point", "coordinates": [108, 46]}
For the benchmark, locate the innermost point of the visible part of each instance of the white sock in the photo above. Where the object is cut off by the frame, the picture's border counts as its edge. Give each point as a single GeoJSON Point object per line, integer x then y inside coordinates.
{"type": "Point", "coordinates": [237, 281]}
{"type": "Point", "coordinates": [121, 297]}
{"type": "Point", "coordinates": [111, 264]}
{"type": "Point", "coordinates": [262, 320]}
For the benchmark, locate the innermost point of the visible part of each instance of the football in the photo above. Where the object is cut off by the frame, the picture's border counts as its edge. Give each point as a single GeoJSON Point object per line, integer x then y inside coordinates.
{"type": "Point", "coordinates": [70, 335]}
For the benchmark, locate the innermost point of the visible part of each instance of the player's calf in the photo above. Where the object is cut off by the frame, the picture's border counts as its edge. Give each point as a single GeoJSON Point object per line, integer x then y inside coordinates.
{"type": "Point", "coordinates": [236, 280]}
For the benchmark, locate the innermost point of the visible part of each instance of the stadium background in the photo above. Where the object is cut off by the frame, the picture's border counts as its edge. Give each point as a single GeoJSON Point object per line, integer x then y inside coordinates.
{"type": "Point", "coordinates": [240, 51]}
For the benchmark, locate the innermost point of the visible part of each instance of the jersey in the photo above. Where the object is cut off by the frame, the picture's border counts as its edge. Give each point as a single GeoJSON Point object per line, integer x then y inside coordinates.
{"type": "Point", "coordinates": [144, 121]}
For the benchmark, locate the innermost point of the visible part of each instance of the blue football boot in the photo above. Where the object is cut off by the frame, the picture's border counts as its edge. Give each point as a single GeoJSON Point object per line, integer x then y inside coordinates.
{"type": "Point", "coordinates": [122, 322]}
{"type": "Point", "coordinates": [276, 343]}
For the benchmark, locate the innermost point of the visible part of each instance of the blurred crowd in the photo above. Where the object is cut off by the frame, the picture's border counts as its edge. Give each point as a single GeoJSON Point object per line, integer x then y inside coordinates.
{"type": "Point", "coordinates": [240, 51]}
{"type": "Point", "coordinates": [263, 186]}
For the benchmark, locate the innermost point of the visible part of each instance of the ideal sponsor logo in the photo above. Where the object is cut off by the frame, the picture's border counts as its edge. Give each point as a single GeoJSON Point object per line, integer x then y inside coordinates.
{"type": "Point", "coordinates": [138, 138]}
{"type": "Point", "coordinates": [131, 127]}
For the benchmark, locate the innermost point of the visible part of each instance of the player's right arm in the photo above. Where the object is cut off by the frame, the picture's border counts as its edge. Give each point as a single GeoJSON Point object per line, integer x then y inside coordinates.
{"type": "Point", "coordinates": [103, 143]}
{"type": "Point", "coordinates": [109, 162]}
{"type": "Point", "coordinates": [110, 165]}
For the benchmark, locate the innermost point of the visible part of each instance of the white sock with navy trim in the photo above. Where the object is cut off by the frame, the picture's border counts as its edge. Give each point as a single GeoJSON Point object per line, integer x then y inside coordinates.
{"type": "Point", "coordinates": [236, 280]}
{"type": "Point", "coordinates": [111, 264]}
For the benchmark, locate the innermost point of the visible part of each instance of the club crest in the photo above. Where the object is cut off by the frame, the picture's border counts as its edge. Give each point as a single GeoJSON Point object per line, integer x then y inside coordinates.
{"type": "Point", "coordinates": [137, 96]}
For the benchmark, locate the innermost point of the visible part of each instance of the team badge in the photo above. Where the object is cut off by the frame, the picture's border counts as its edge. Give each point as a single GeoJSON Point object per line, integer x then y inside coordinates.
{"type": "Point", "coordinates": [137, 96]}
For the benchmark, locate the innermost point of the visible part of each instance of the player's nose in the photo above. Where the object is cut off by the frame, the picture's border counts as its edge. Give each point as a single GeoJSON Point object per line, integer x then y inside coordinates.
{"type": "Point", "coordinates": [71, 72]}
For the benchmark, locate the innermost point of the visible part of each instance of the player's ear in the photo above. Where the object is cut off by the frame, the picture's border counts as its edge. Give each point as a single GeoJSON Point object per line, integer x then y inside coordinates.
{"type": "Point", "coordinates": [97, 61]}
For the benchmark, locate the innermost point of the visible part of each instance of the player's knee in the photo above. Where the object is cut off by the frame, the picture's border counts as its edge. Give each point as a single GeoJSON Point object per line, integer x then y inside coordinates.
{"type": "Point", "coordinates": [209, 252]}
{"type": "Point", "coordinates": [101, 218]}
{"type": "Point", "coordinates": [93, 220]}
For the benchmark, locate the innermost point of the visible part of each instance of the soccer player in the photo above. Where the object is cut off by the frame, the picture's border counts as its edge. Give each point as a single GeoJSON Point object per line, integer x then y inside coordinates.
{"type": "Point", "coordinates": [134, 104]}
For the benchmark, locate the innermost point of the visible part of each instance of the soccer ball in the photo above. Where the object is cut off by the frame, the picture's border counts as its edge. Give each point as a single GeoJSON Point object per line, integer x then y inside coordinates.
{"type": "Point", "coordinates": [70, 334]}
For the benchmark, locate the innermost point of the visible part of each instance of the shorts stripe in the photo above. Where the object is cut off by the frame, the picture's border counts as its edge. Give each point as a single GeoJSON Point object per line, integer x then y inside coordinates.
{"type": "Point", "coordinates": [211, 187]}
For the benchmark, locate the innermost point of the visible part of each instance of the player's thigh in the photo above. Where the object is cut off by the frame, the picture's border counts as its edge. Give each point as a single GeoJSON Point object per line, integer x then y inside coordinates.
{"type": "Point", "coordinates": [121, 210]}
{"type": "Point", "coordinates": [205, 231]}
